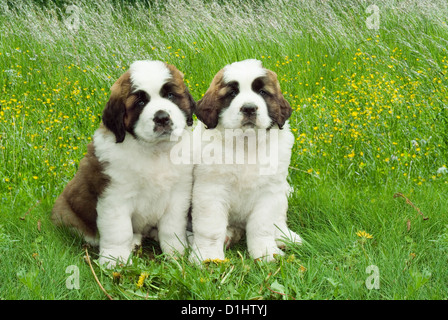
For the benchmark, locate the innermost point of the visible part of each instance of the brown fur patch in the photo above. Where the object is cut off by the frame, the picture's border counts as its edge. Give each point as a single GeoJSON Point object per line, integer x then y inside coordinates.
{"type": "Point", "coordinates": [76, 206]}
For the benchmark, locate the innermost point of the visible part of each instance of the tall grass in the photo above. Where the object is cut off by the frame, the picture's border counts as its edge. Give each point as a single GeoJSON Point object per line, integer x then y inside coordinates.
{"type": "Point", "coordinates": [370, 120]}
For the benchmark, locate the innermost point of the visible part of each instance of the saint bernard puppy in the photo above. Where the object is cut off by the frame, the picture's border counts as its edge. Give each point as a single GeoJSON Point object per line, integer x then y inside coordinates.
{"type": "Point", "coordinates": [126, 185]}
{"type": "Point", "coordinates": [243, 102]}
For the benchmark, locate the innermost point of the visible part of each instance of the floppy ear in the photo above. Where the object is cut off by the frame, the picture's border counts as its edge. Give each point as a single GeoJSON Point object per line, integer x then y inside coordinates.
{"type": "Point", "coordinates": [207, 111]}
{"type": "Point", "coordinates": [279, 108]}
{"type": "Point", "coordinates": [115, 110]}
{"type": "Point", "coordinates": [284, 112]}
{"type": "Point", "coordinates": [208, 108]}
{"type": "Point", "coordinates": [113, 117]}
{"type": "Point", "coordinates": [191, 109]}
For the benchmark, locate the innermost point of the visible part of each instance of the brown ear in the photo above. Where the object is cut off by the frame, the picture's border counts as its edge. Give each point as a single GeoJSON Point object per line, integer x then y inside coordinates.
{"type": "Point", "coordinates": [279, 108]}
{"type": "Point", "coordinates": [208, 109]}
{"type": "Point", "coordinates": [115, 110]}
{"type": "Point", "coordinates": [284, 113]}
{"type": "Point", "coordinates": [113, 117]}
{"type": "Point", "coordinates": [207, 112]}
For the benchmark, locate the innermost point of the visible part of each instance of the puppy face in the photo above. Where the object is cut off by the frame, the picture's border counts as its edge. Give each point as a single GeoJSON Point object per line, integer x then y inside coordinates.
{"type": "Point", "coordinates": [150, 101]}
{"type": "Point", "coordinates": [244, 95]}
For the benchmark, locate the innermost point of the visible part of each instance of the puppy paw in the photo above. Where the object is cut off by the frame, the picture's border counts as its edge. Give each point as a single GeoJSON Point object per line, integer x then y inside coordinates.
{"type": "Point", "coordinates": [111, 258]}
{"type": "Point", "coordinates": [266, 254]}
{"type": "Point", "coordinates": [198, 256]}
{"type": "Point", "coordinates": [288, 237]}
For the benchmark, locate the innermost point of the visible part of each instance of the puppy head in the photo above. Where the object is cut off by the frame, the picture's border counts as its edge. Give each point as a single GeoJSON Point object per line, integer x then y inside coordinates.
{"type": "Point", "coordinates": [244, 95]}
{"type": "Point", "coordinates": [150, 101]}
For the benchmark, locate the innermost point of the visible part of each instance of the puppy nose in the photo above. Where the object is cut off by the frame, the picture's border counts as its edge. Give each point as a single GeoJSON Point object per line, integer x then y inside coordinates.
{"type": "Point", "coordinates": [249, 109]}
{"type": "Point", "coordinates": [162, 118]}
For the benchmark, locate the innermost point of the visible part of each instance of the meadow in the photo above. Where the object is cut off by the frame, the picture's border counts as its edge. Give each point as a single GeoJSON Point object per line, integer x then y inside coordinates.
{"type": "Point", "coordinates": [369, 91]}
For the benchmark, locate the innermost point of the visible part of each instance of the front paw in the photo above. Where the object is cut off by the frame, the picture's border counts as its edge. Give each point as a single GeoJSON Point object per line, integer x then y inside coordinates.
{"type": "Point", "coordinates": [265, 253]}
{"type": "Point", "coordinates": [198, 256]}
{"type": "Point", "coordinates": [110, 258]}
{"type": "Point", "coordinates": [173, 245]}
{"type": "Point", "coordinates": [287, 238]}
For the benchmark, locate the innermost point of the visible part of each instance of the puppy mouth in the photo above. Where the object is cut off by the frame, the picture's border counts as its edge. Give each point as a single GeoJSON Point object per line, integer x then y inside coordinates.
{"type": "Point", "coordinates": [249, 122]}
{"type": "Point", "coordinates": [163, 130]}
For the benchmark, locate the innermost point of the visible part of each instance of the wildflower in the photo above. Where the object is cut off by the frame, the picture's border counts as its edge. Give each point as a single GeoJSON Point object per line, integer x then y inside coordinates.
{"type": "Point", "coordinates": [216, 261]}
{"type": "Point", "coordinates": [364, 235]}
{"type": "Point", "coordinates": [116, 277]}
{"type": "Point", "coordinates": [141, 279]}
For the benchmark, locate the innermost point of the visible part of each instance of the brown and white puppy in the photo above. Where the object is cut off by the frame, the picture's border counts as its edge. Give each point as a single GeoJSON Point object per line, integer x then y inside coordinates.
{"type": "Point", "coordinates": [238, 185]}
{"type": "Point", "coordinates": [126, 185]}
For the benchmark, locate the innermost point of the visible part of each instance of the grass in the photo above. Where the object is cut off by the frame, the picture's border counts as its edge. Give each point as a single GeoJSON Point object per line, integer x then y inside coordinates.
{"type": "Point", "coordinates": [369, 117]}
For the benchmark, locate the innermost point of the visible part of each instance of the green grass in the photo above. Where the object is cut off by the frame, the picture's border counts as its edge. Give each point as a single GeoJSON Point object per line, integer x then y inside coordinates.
{"type": "Point", "coordinates": [369, 117]}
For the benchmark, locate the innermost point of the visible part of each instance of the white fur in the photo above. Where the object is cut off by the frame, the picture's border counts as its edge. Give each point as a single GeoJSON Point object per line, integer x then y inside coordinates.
{"type": "Point", "coordinates": [146, 189]}
{"type": "Point", "coordinates": [231, 197]}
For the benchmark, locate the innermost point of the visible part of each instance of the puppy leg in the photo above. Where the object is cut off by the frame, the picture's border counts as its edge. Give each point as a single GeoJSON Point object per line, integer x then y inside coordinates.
{"type": "Point", "coordinates": [261, 227]}
{"type": "Point", "coordinates": [172, 226]}
{"type": "Point", "coordinates": [209, 219]}
{"type": "Point", "coordinates": [116, 235]}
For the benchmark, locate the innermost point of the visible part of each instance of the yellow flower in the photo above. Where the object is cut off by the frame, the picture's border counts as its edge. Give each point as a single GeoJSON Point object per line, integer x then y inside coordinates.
{"type": "Point", "coordinates": [116, 277]}
{"type": "Point", "coordinates": [216, 261]}
{"type": "Point", "coordinates": [141, 279]}
{"type": "Point", "coordinates": [363, 234]}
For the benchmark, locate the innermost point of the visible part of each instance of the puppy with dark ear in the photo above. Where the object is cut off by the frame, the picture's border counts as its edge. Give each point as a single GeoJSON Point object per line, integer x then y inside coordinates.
{"type": "Point", "coordinates": [249, 193]}
{"type": "Point", "coordinates": [209, 107]}
{"type": "Point", "coordinates": [127, 185]}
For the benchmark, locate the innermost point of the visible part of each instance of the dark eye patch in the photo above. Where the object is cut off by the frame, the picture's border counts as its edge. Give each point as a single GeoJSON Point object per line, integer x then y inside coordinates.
{"type": "Point", "coordinates": [258, 86]}
{"type": "Point", "coordinates": [169, 91]}
{"type": "Point", "coordinates": [141, 98]}
{"type": "Point", "coordinates": [232, 90]}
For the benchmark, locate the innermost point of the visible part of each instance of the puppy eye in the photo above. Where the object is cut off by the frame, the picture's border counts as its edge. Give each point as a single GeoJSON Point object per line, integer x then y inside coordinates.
{"type": "Point", "coordinates": [262, 93]}
{"type": "Point", "coordinates": [233, 93]}
{"type": "Point", "coordinates": [141, 103]}
{"type": "Point", "coordinates": [170, 96]}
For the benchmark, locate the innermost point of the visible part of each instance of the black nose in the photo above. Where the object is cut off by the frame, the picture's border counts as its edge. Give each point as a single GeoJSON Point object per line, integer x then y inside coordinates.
{"type": "Point", "coordinates": [162, 118]}
{"type": "Point", "coordinates": [249, 109]}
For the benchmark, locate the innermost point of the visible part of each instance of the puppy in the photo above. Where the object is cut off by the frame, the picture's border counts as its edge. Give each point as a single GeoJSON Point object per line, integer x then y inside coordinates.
{"type": "Point", "coordinates": [237, 185]}
{"type": "Point", "coordinates": [126, 184]}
